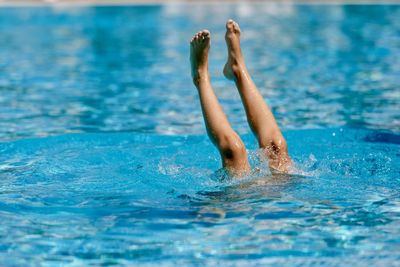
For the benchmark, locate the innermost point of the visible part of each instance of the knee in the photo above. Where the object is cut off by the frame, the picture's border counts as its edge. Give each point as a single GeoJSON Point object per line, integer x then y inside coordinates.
{"type": "Point", "coordinates": [281, 145]}
{"type": "Point", "coordinates": [232, 147]}
{"type": "Point", "coordinates": [276, 145]}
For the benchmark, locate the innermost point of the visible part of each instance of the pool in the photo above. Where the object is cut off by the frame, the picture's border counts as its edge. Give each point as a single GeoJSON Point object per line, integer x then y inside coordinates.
{"type": "Point", "coordinates": [104, 158]}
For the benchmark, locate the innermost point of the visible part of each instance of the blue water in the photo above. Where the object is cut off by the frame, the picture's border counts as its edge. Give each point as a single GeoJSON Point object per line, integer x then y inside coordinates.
{"type": "Point", "coordinates": [104, 158]}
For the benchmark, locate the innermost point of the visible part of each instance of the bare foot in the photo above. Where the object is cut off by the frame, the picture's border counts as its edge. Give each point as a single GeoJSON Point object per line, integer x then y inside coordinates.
{"type": "Point", "coordinates": [235, 60]}
{"type": "Point", "coordinates": [199, 46]}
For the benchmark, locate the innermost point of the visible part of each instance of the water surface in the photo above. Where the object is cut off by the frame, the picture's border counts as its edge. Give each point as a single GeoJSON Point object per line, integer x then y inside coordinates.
{"type": "Point", "coordinates": [129, 198]}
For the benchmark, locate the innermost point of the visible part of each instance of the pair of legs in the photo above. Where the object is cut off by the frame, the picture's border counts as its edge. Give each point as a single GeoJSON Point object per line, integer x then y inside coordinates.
{"type": "Point", "coordinates": [259, 116]}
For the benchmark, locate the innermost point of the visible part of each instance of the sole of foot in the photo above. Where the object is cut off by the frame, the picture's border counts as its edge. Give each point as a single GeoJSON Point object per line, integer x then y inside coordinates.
{"type": "Point", "coordinates": [235, 58]}
{"type": "Point", "coordinates": [199, 47]}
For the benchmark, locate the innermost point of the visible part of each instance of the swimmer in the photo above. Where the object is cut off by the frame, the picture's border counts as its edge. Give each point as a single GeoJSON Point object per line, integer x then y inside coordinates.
{"type": "Point", "coordinates": [259, 116]}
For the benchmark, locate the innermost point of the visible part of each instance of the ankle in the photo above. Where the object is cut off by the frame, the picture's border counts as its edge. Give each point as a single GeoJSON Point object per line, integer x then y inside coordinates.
{"type": "Point", "coordinates": [237, 68]}
{"type": "Point", "coordinates": [199, 75]}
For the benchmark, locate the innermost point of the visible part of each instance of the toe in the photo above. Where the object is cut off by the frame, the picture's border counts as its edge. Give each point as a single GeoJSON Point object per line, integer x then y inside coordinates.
{"type": "Point", "coordinates": [195, 40]}
{"type": "Point", "coordinates": [229, 24]}
{"type": "Point", "coordinates": [236, 26]}
{"type": "Point", "coordinates": [232, 25]}
{"type": "Point", "coordinates": [205, 35]}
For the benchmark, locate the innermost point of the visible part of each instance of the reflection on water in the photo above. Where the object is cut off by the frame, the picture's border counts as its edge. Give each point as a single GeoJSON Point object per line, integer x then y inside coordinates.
{"type": "Point", "coordinates": [90, 69]}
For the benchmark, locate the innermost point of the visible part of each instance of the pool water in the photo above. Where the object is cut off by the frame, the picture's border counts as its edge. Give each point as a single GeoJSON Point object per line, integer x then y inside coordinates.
{"type": "Point", "coordinates": [104, 158]}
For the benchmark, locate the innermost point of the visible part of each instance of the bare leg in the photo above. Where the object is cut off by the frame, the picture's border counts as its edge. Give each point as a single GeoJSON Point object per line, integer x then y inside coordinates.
{"type": "Point", "coordinates": [259, 116]}
{"type": "Point", "coordinates": [231, 148]}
